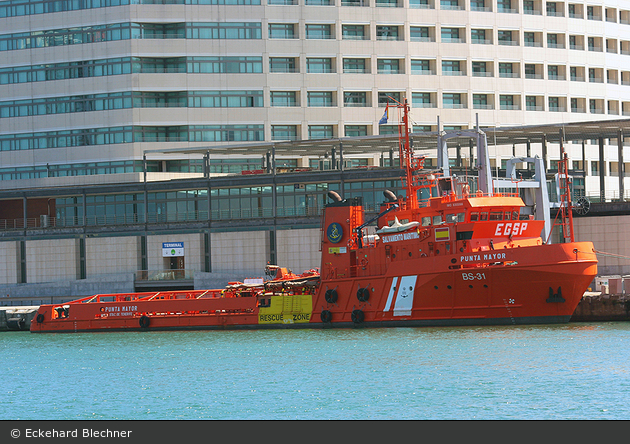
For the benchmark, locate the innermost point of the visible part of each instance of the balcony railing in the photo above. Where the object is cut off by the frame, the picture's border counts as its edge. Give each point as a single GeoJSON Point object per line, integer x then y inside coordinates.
{"type": "Point", "coordinates": [164, 275]}
{"type": "Point", "coordinates": [47, 222]}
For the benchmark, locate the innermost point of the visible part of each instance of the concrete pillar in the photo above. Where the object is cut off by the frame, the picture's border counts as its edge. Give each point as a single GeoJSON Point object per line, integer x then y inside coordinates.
{"type": "Point", "coordinates": [621, 165]}
{"type": "Point", "coordinates": [602, 171]}
{"type": "Point", "coordinates": [544, 150]}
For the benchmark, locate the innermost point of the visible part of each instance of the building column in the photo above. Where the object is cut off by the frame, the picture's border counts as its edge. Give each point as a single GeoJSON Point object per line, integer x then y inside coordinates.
{"type": "Point", "coordinates": [81, 261]}
{"type": "Point", "coordinates": [544, 151]}
{"type": "Point", "coordinates": [602, 171]}
{"type": "Point", "coordinates": [621, 165]}
{"type": "Point", "coordinates": [21, 262]}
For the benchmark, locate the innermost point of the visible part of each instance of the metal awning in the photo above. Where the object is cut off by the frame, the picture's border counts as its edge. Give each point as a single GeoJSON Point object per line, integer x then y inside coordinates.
{"type": "Point", "coordinates": [503, 136]}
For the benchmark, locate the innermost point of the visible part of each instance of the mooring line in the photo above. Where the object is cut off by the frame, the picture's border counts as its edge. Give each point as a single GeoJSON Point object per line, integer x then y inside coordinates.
{"type": "Point", "coordinates": [602, 253]}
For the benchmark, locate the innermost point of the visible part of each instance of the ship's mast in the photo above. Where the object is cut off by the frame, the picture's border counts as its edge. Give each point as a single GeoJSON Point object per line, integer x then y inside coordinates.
{"type": "Point", "coordinates": [407, 159]}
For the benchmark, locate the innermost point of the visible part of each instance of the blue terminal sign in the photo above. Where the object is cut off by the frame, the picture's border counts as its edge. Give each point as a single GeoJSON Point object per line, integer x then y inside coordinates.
{"type": "Point", "coordinates": [334, 232]}
{"type": "Point", "coordinates": [172, 249]}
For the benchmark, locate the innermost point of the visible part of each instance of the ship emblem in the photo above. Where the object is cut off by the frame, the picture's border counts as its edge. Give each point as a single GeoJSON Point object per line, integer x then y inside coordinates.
{"type": "Point", "coordinates": [334, 232]}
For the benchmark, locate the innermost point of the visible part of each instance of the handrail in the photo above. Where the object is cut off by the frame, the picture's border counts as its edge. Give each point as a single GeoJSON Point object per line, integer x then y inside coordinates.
{"type": "Point", "coordinates": [164, 275]}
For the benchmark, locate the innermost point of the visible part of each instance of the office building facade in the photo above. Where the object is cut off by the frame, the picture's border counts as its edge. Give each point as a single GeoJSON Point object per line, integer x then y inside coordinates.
{"type": "Point", "coordinates": [87, 86]}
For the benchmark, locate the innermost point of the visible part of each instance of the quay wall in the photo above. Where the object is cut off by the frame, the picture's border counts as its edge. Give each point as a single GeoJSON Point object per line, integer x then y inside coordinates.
{"type": "Point", "coordinates": [603, 307]}
{"type": "Point", "coordinates": [17, 318]}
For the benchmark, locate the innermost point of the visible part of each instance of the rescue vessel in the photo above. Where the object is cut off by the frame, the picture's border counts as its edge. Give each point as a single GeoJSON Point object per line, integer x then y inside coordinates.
{"type": "Point", "coordinates": [443, 254]}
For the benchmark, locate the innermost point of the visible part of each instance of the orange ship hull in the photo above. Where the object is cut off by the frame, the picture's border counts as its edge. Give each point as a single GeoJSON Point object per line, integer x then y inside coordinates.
{"type": "Point", "coordinates": [492, 294]}
{"type": "Point", "coordinates": [529, 291]}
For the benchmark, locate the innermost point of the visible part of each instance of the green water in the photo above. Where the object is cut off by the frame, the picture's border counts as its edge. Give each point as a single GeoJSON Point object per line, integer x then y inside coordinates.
{"type": "Point", "coordinates": [569, 371]}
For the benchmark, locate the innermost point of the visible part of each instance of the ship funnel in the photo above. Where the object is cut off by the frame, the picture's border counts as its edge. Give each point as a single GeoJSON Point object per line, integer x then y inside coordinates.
{"type": "Point", "coordinates": [334, 196]}
{"type": "Point", "coordinates": [389, 196]}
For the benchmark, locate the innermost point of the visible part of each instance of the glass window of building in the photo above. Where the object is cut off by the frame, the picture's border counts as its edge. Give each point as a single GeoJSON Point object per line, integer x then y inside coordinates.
{"type": "Point", "coordinates": [389, 97]}
{"type": "Point", "coordinates": [315, 31]}
{"type": "Point", "coordinates": [388, 66]}
{"type": "Point", "coordinates": [531, 103]}
{"type": "Point", "coordinates": [452, 100]}
{"type": "Point", "coordinates": [355, 3]}
{"type": "Point", "coordinates": [387, 32]}
{"type": "Point", "coordinates": [355, 66]}
{"type": "Point", "coordinates": [507, 38]}
{"type": "Point", "coordinates": [284, 132]}
{"type": "Point", "coordinates": [449, 4]}
{"type": "Point", "coordinates": [356, 130]}
{"type": "Point", "coordinates": [419, 4]}
{"type": "Point", "coordinates": [283, 64]}
{"type": "Point", "coordinates": [480, 101]}
{"type": "Point", "coordinates": [505, 6]}
{"type": "Point", "coordinates": [319, 65]}
{"type": "Point", "coordinates": [320, 98]}
{"type": "Point", "coordinates": [422, 100]}
{"type": "Point", "coordinates": [480, 69]}
{"type": "Point", "coordinates": [282, 31]}
{"type": "Point", "coordinates": [355, 98]}
{"type": "Point", "coordinates": [506, 69]}
{"type": "Point", "coordinates": [423, 67]}
{"type": "Point", "coordinates": [320, 132]}
{"type": "Point", "coordinates": [552, 41]}
{"type": "Point", "coordinates": [284, 98]}
{"type": "Point", "coordinates": [452, 68]}
{"type": "Point", "coordinates": [530, 71]}
{"type": "Point", "coordinates": [452, 35]}
{"type": "Point", "coordinates": [552, 9]}
{"type": "Point", "coordinates": [479, 5]}
{"type": "Point", "coordinates": [529, 39]}
{"type": "Point", "coordinates": [353, 32]}
{"type": "Point", "coordinates": [479, 36]}
{"type": "Point", "coordinates": [506, 102]}
{"type": "Point", "coordinates": [420, 34]}
{"type": "Point", "coordinates": [528, 7]}
{"type": "Point", "coordinates": [386, 3]}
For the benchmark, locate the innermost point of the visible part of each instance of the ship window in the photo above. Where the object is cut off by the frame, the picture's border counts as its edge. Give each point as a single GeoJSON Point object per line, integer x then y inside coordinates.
{"type": "Point", "coordinates": [437, 219]}
{"type": "Point", "coordinates": [484, 216]}
{"type": "Point", "coordinates": [496, 215]}
{"type": "Point", "coordinates": [508, 215]}
{"type": "Point", "coordinates": [426, 220]}
{"type": "Point", "coordinates": [474, 217]}
{"type": "Point", "coordinates": [452, 218]}
{"type": "Point", "coordinates": [515, 215]}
